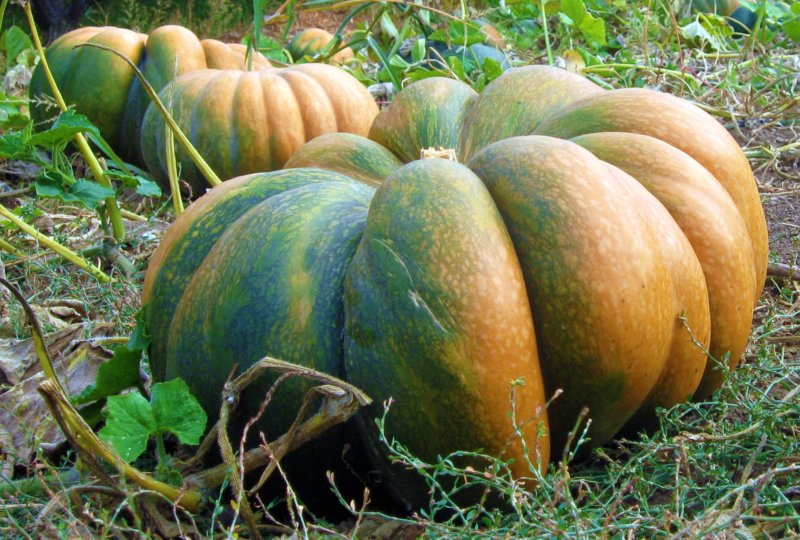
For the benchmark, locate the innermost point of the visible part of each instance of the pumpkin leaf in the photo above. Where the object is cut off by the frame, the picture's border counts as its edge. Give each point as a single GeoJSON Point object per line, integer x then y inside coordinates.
{"type": "Point", "coordinates": [16, 144]}
{"type": "Point", "coordinates": [177, 411]}
{"type": "Point", "coordinates": [132, 420]}
{"type": "Point", "coordinates": [14, 42]}
{"type": "Point", "coordinates": [140, 337]}
{"type": "Point", "coordinates": [460, 33]}
{"type": "Point", "coordinates": [129, 425]}
{"type": "Point", "coordinates": [492, 69]}
{"type": "Point", "coordinates": [143, 186]}
{"type": "Point", "coordinates": [706, 31]}
{"type": "Point", "coordinates": [54, 183]}
{"type": "Point", "coordinates": [119, 373]}
{"type": "Point", "coordinates": [593, 28]}
{"type": "Point", "coordinates": [66, 126]}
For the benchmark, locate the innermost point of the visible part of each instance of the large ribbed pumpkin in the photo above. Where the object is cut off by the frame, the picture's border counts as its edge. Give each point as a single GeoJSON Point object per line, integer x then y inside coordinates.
{"type": "Point", "coordinates": [594, 245]}
{"type": "Point", "coordinates": [104, 88]}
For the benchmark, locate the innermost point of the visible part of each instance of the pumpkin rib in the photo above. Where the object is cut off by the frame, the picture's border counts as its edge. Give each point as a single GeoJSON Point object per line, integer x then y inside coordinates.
{"type": "Point", "coordinates": [352, 104]}
{"type": "Point", "coordinates": [438, 107]}
{"type": "Point", "coordinates": [197, 230]}
{"type": "Point", "coordinates": [516, 102]}
{"type": "Point", "coordinates": [685, 127]}
{"type": "Point", "coordinates": [349, 154]}
{"type": "Point", "coordinates": [584, 253]}
{"type": "Point", "coordinates": [435, 305]}
{"type": "Point", "coordinates": [319, 114]}
{"type": "Point", "coordinates": [706, 213]}
{"type": "Point", "coordinates": [683, 369]}
{"type": "Point", "coordinates": [286, 119]}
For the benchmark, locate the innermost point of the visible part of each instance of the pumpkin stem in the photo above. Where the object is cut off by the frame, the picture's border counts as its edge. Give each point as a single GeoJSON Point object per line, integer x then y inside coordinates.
{"type": "Point", "coordinates": [443, 153]}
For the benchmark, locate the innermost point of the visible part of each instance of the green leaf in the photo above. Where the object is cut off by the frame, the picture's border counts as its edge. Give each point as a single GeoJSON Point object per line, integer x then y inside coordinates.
{"type": "Point", "coordinates": [119, 373]}
{"type": "Point", "coordinates": [140, 337]}
{"type": "Point", "coordinates": [457, 66]}
{"type": "Point", "coordinates": [129, 425]}
{"type": "Point", "coordinates": [56, 184]}
{"type": "Point", "coordinates": [792, 28]}
{"type": "Point", "coordinates": [132, 419]}
{"type": "Point", "coordinates": [574, 9]}
{"type": "Point", "coordinates": [143, 186]}
{"type": "Point", "coordinates": [492, 69]}
{"type": "Point", "coordinates": [421, 73]}
{"type": "Point", "coordinates": [592, 28]}
{"type": "Point", "coordinates": [64, 129]}
{"type": "Point", "coordinates": [418, 50]}
{"type": "Point", "coordinates": [459, 33]}
{"type": "Point", "coordinates": [707, 30]}
{"type": "Point", "coordinates": [388, 27]}
{"type": "Point", "coordinates": [176, 410]}
{"type": "Point", "coordinates": [17, 144]}
{"type": "Point", "coordinates": [89, 193]}
{"type": "Point", "coordinates": [14, 42]}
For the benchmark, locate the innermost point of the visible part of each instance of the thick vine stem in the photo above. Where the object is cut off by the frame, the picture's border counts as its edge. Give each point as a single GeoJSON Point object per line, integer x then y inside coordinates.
{"type": "Point", "coordinates": [341, 401]}
{"type": "Point", "coordinates": [64, 251]}
{"type": "Point", "coordinates": [112, 207]}
{"type": "Point", "coordinates": [7, 246]}
{"type": "Point", "coordinates": [36, 332]}
{"type": "Point", "coordinates": [198, 160]}
{"type": "Point", "coordinates": [172, 168]}
{"type": "Point", "coordinates": [90, 447]}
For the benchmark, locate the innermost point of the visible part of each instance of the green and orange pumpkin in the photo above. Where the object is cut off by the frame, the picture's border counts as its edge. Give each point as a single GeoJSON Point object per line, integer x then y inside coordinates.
{"type": "Point", "coordinates": [591, 245]}
{"type": "Point", "coordinates": [310, 42]}
{"type": "Point", "coordinates": [104, 88]}
{"type": "Point", "coordinates": [241, 120]}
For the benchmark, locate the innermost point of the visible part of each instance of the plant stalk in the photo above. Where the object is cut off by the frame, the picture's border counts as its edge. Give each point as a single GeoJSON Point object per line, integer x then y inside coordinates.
{"type": "Point", "coordinates": [7, 246]}
{"type": "Point", "coordinates": [36, 332]}
{"type": "Point", "coordinates": [118, 228]}
{"type": "Point", "coordinates": [198, 160]}
{"type": "Point", "coordinates": [64, 251]}
{"type": "Point", "coordinates": [546, 34]}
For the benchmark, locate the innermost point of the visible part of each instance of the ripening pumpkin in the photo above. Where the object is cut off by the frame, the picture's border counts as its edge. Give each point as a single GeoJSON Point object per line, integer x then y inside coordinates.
{"type": "Point", "coordinates": [590, 245]}
{"type": "Point", "coordinates": [243, 122]}
{"type": "Point", "coordinates": [312, 41]}
{"type": "Point", "coordinates": [104, 88]}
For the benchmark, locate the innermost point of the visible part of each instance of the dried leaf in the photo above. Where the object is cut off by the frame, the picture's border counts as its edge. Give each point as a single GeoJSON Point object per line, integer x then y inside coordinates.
{"type": "Point", "coordinates": [376, 528]}
{"type": "Point", "coordinates": [23, 414]}
{"type": "Point", "coordinates": [573, 61]}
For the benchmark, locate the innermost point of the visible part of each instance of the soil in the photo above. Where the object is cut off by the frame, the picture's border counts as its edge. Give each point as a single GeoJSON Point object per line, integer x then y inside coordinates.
{"type": "Point", "coordinates": [779, 185]}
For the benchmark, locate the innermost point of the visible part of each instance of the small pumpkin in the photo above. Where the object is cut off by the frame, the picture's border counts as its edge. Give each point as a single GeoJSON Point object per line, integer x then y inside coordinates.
{"type": "Point", "coordinates": [312, 41]}
{"type": "Point", "coordinates": [104, 88]}
{"type": "Point", "coordinates": [594, 246]}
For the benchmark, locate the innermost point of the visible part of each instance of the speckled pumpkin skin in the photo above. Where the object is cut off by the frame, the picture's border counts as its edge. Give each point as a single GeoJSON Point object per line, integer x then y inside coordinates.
{"type": "Point", "coordinates": [598, 269]}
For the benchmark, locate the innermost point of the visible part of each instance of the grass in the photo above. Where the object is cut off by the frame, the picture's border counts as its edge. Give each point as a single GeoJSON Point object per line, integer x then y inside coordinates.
{"type": "Point", "coordinates": [726, 467]}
